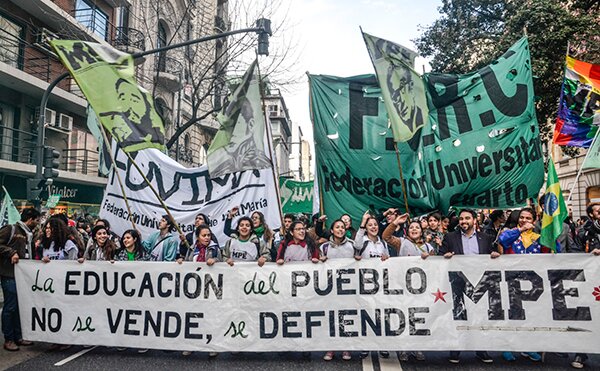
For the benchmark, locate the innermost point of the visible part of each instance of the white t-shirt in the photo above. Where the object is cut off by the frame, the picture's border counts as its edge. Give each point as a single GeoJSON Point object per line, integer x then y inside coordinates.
{"type": "Point", "coordinates": [295, 253]}
{"type": "Point", "coordinates": [70, 249]}
{"type": "Point", "coordinates": [243, 251]}
{"type": "Point", "coordinates": [409, 248]}
{"type": "Point", "coordinates": [343, 250]}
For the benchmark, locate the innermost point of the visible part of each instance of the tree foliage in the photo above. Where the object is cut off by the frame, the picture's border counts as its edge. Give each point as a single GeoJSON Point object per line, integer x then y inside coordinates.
{"type": "Point", "coordinates": [472, 33]}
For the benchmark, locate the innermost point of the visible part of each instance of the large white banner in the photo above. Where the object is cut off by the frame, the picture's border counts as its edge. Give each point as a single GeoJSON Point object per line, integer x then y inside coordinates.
{"type": "Point", "coordinates": [186, 192]}
{"type": "Point", "coordinates": [518, 303]}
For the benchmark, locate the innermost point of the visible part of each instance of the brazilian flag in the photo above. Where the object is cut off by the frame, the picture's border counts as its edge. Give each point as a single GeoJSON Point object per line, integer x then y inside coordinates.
{"type": "Point", "coordinates": [555, 210]}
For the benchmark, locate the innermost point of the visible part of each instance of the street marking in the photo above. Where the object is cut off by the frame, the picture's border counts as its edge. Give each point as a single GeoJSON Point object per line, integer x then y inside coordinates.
{"type": "Point", "coordinates": [385, 364]}
{"type": "Point", "coordinates": [392, 363]}
{"type": "Point", "coordinates": [74, 356]}
{"type": "Point", "coordinates": [367, 363]}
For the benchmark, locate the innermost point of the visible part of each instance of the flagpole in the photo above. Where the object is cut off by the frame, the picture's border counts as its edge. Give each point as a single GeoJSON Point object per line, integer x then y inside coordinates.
{"type": "Point", "coordinates": [115, 169]}
{"type": "Point", "coordinates": [401, 177]}
{"type": "Point", "coordinates": [312, 120]}
{"type": "Point", "coordinates": [162, 203]}
{"type": "Point", "coordinates": [269, 138]}
{"type": "Point", "coordinates": [581, 168]}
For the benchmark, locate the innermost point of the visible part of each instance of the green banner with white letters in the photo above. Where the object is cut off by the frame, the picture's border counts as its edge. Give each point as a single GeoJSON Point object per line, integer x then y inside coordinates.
{"type": "Point", "coordinates": [481, 148]}
{"type": "Point", "coordinates": [296, 197]}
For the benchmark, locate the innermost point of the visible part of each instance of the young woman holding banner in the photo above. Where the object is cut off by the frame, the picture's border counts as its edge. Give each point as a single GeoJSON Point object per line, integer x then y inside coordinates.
{"type": "Point", "coordinates": [297, 245]}
{"type": "Point", "coordinates": [338, 246]}
{"type": "Point", "coordinates": [54, 244]}
{"type": "Point", "coordinates": [411, 245]}
{"type": "Point", "coordinates": [368, 245]}
{"type": "Point", "coordinates": [244, 245]}
{"type": "Point", "coordinates": [259, 226]}
{"type": "Point", "coordinates": [205, 250]}
{"type": "Point", "coordinates": [132, 247]}
{"type": "Point", "coordinates": [102, 247]}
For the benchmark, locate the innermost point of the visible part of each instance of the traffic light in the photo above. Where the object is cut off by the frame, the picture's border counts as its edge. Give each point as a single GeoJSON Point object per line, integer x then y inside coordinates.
{"type": "Point", "coordinates": [51, 162]}
{"type": "Point", "coordinates": [263, 36]}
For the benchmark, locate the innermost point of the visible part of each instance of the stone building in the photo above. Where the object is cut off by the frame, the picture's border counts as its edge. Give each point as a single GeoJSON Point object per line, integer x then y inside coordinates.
{"type": "Point", "coordinates": [587, 189]}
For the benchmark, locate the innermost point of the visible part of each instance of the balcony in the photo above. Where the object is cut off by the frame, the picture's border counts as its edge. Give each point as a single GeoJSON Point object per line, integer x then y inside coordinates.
{"type": "Point", "coordinates": [17, 145]}
{"type": "Point", "coordinates": [168, 72]}
{"type": "Point", "coordinates": [80, 160]}
{"type": "Point", "coordinates": [34, 59]}
{"type": "Point", "coordinates": [129, 40]}
{"type": "Point", "coordinates": [20, 146]}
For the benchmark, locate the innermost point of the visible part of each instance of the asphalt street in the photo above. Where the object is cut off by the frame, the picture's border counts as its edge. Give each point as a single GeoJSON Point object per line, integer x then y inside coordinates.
{"type": "Point", "coordinates": [39, 357]}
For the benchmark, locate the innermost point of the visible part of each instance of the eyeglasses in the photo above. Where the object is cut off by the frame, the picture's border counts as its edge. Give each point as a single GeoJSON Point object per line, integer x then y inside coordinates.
{"type": "Point", "coordinates": [299, 229]}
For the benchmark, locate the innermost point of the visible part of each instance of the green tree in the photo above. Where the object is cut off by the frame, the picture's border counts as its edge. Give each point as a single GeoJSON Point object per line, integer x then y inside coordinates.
{"type": "Point", "coordinates": [472, 33]}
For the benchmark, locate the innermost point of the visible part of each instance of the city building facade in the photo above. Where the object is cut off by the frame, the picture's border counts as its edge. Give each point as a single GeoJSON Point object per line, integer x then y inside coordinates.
{"type": "Point", "coordinates": [587, 188]}
{"type": "Point", "coordinates": [177, 80]}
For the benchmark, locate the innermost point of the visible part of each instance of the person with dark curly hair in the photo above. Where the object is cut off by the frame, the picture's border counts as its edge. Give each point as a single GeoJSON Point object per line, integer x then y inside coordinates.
{"type": "Point", "coordinates": [55, 244]}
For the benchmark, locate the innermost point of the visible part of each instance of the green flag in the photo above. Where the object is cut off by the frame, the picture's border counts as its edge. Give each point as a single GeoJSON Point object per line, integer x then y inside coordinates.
{"type": "Point", "coordinates": [555, 210]}
{"type": "Point", "coordinates": [8, 212]}
{"type": "Point", "coordinates": [480, 149]}
{"type": "Point", "coordinates": [106, 78]}
{"type": "Point", "coordinates": [402, 87]}
{"type": "Point", "coordinates": [239, 143]}
{"type": "Point", "coordinates": [592, 158]}
{"type": "Point", "coordinates": [296, 197]}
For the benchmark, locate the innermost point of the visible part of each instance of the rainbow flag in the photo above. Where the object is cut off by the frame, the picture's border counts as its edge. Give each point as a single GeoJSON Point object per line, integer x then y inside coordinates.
{"type": "Point", "coordinates": [579, 107]}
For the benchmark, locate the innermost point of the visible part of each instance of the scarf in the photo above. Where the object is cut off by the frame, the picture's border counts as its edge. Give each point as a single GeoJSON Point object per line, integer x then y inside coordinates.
{"type": "Point", "coordinates": [29, 236]}
{"type": "Point", "coordinates": [259, 231]}
{"type": "Point", "coordinates": [201, 253]}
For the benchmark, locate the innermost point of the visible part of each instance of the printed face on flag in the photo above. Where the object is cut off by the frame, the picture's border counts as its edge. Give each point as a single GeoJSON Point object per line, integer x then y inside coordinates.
{"type": "Point", "coordinates": [106, 77]}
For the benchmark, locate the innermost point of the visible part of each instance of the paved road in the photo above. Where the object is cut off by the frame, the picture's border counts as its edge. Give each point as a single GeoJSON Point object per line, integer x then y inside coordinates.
{"type": "Point", "coordinates": [103, 358]}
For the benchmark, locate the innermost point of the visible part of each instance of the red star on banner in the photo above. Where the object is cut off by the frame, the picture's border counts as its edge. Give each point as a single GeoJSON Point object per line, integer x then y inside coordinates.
{"type": "Point", "coordinates": [439, 295]}
{"type": "Point", "coordinates": [596, 293]}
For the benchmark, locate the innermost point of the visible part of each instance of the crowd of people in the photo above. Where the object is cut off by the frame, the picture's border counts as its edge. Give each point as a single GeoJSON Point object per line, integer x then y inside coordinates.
{"type": "Point", "coordinates": [391, 234]}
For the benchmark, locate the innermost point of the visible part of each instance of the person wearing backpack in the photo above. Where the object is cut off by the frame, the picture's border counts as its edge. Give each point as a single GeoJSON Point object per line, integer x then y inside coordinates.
{"type": "Point", "coordinates": [338, 246]}
{"type": "Point", "coordinates": [368, 245]}
{"type": "Point", "coordinates": [244, 245]}
{"type": "Point", "coordinates": [15, 244]}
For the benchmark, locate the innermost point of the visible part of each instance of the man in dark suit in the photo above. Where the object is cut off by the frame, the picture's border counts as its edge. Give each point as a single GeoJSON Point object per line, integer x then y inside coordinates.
{"type": "Point", "coordinates": [466, 241]}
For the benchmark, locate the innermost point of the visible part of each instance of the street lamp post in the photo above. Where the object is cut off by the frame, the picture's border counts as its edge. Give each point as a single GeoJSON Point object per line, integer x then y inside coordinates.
{"type": "Point", "coordinates": [35, 185]}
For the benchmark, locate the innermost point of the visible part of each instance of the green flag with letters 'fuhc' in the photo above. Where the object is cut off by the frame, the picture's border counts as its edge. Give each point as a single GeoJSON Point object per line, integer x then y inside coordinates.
{"type": "Point", "coordinates": [239, 143]}
{"type": "Point", "coordinates": [106, 78]}
{"type": "Point", "coordinates": [8, 212]}
{"type": "Point", "coordinates": [555, 210]}
{"type": "Point", "coordinates": [402, 88]}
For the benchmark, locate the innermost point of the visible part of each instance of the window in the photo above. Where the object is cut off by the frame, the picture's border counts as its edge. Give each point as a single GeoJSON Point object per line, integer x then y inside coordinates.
{"type": "Point", "coordinates": [93, 18]}
{"type": "Point", "coordinates": [273, 110]}
{"type": "Point", "coordinates": [593, 194]}
{"type": "Point", "coordinates": [160, 42]}
{"type": "Point", "coordinates": [11, 48]}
